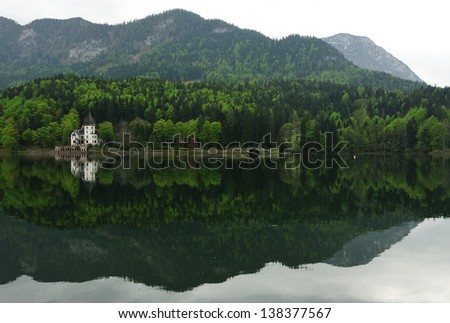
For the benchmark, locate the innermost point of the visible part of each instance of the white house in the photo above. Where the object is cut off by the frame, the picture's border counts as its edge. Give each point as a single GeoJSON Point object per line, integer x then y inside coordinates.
{"type": "Point", "coordinates": [87, 135]}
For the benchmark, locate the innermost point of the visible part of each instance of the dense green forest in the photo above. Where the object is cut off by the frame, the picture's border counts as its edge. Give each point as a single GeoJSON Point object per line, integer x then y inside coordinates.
{"type": "Point", "coordinates": [176, 45]}
{"type": "Point", "coordinates": [44, 112]}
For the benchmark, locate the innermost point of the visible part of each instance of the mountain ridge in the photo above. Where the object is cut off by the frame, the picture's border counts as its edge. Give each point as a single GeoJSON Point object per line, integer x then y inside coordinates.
{"type": "Point", "coordinates": [365, 53]}
{"type": "Point", "coordinates": [176, 45]}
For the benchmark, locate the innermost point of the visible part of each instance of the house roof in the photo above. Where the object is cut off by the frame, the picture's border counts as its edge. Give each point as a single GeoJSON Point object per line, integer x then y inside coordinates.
{"type": "Point", "coordinates": [89, 120]}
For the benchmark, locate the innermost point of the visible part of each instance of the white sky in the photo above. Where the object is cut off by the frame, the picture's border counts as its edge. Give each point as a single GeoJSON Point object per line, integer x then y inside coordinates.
{"type": "Point", "coordinates": [417, 32]}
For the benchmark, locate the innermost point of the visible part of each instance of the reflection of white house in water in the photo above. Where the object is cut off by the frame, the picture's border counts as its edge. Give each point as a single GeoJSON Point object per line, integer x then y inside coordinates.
{"type": "Point", "coordinates": [84, 168]}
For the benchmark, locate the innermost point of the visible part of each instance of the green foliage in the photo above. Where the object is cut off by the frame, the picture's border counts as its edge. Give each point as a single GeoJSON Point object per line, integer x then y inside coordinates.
{"type": "Point", "coordinates": [433, 134]}
{"type": "Point", "coordinates": [177, 46]}
{"type": "Point", "coordinates": [210, 132]}
{"type": "Point", "coordinates": [369, 118]}
{"type": "Point", "coordinates": [10, 135]}
{"type": "Point", "coordinates": [69, 122]}
{"type": "Point", "coordinates": [141, 129]}
{"type": "Point", "coordinates": [164, 130]}
{"type": "Point", "coordinates": [105, 131]}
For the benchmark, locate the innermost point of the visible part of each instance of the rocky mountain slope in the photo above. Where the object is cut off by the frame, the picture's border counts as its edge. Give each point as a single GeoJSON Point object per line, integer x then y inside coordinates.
{"type": "Point", "coordinates": [364, 53]}
{"type": "Point", "coordinates": [175, 45]}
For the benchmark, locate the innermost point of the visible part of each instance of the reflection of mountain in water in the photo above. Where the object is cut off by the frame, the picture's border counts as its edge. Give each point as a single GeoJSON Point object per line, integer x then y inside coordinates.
{"type": "Point", "coordinates": [365, 248]}
{"type": "Point", "coordinates": [182, 228]}
{"type": "Point", "coordinates": [176, 257]}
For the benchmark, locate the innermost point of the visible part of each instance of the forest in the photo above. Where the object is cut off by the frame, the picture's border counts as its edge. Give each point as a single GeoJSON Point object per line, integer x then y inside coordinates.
{"type": "Point", "coordinates": [176, 45]}
{"type": "Point", "coordinates": [43, 112]}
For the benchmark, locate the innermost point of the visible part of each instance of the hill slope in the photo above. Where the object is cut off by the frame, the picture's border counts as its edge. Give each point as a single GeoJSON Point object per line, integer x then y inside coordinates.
{"type": "Point", "coordinates": [176, 45]}
{"type": "Point", "coordinates": [364, 53]}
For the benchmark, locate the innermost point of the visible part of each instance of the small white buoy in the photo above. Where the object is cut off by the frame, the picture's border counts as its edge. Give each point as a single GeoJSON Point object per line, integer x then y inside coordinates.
{"type": "Point", "coordinates": [354, 156]}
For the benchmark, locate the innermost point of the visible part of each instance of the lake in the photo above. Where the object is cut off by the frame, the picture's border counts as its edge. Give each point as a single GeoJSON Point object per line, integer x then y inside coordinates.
{"type": "Point", "coordinates": [76, 231]}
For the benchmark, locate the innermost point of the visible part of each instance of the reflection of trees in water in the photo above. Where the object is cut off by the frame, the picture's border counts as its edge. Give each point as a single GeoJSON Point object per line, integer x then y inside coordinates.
{"type": "Point", "coordinates": [44, 191]}
{"type": "Point", "coordinates": [181, 228]}
{"type": "Point", "coordinates": [175, 257]}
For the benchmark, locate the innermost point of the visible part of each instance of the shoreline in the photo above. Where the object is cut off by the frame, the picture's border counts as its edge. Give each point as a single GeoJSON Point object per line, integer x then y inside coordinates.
{"type": "Point", "coordinates": [233, 152]}
{"type": "Point", "coordinates": [38, 152]}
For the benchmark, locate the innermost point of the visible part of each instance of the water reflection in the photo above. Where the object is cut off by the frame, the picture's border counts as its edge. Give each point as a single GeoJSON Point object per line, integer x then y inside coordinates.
{"type": "Point", "coordinates": [84, 168]}
{"type": "Point", "coordinates": [174, 257]}
{"type": "Point", "coordinates": [413, 270]}
{"type": "Point", "coordinates": [364, 248]}
{"type": "Point", "coordinates": [181, 229]}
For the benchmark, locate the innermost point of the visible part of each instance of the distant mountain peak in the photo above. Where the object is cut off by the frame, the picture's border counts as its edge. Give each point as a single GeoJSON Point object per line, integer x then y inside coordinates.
{"type": "Point", "coordinates": [363, 52]}
{"type": "Point", "coordinates": [176, 45]}
{"type": "Point", "coordinates": [5, 21]}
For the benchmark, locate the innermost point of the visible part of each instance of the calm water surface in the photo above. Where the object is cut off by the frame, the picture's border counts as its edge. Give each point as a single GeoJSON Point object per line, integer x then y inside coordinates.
{"type": "Point", "coordinates": [378, 231]}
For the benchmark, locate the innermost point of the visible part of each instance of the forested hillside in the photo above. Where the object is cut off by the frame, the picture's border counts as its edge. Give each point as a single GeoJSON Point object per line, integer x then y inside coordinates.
{"type": "Point", "coordinates": [44, 112]}
{"type": "Point", "coordinates": [176, 45]}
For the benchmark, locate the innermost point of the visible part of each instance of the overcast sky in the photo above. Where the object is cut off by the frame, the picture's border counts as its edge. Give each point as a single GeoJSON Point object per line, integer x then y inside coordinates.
{"type": "Point", "coordinates": [417, 32]}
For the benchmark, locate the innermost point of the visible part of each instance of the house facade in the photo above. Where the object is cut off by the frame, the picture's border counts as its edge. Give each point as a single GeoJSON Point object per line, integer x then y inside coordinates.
{"type": "Point", "coordinates": [87, 135]}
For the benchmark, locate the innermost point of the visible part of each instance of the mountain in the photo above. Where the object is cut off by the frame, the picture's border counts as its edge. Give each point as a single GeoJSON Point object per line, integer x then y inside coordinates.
{"type": "Point", "coordinates": [366, 247]}
{"type": "Point", "coordinates": [175, 45]}
{"type": "Point", "coordinates": [364, 53]}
